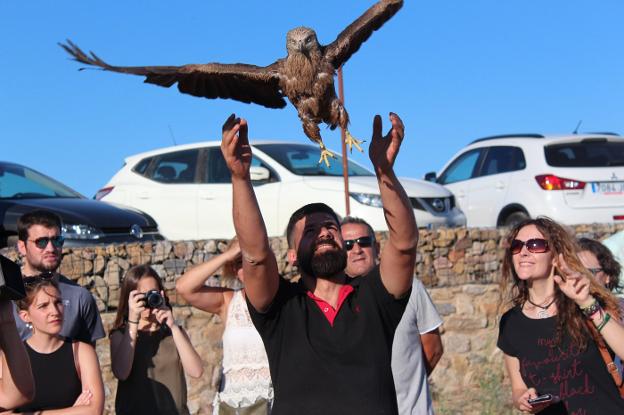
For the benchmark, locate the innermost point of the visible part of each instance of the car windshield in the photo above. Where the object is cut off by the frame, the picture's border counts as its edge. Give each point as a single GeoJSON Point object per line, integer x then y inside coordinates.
{"type": "Point", "coordinates": [590, 152]}
{"type": "Point", "coordinates": [303, 160]}
{"type": "Point", "coordinates": [19, 182]}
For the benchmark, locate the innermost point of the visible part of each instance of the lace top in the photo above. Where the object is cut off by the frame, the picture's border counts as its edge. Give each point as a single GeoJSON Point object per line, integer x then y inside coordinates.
{"type": "Point", "coordinates": [246, 377]}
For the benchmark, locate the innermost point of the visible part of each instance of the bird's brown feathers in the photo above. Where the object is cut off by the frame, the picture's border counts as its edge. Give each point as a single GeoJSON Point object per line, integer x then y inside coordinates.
{"type": "Point", "coordinates": [305, 76]}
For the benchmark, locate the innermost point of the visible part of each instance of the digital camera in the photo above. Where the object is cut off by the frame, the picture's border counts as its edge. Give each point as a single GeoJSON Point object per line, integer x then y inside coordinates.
{"type": "Point", "coordinates": [153, 299]}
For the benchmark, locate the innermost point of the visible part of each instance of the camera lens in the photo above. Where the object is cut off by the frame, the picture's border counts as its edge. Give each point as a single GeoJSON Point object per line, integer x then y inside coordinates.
{"type": "Point", "coordinates": [153, 299]}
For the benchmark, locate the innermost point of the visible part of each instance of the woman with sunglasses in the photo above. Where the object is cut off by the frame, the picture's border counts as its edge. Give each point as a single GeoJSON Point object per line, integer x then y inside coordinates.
{"type": "Point", "coordinates": [150, 353]}
{"type": "Point", "coordinates": [245, 387]}
{"type": "Point", "coordinates": [600, 262]}
{"type": "Point", "coordinates": [67, 373]}
{"type": "Point", "coordinates": [558, 314]}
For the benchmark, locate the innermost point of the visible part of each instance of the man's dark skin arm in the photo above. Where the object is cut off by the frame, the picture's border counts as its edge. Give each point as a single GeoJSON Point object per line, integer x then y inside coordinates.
{"type": "Point", "coordinates": [259, 263]}
{"type": "Point", "coordinates": [399, 254]}
{"type": "Point", "coordinates": [432, 349]}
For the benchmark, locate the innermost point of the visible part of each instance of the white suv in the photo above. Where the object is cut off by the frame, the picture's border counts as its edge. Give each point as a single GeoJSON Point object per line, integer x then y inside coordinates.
{"type": "Point", "coordinates": [187, 189]}
{"type": "Point", "coordinates": [501, 180]}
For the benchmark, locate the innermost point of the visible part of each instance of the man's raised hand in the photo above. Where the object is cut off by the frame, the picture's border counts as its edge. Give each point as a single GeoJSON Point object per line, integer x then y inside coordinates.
{"type": "Point", "coordinates": [235, 146]}
{"type": "Point", "coordinates": [383, 150]}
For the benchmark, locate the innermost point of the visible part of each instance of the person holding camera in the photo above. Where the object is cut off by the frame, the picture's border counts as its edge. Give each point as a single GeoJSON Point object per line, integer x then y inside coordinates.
{"type": "Point", "coordinates": [245, 387]}
{"type": "Point", "coordinates": [17, 385]}
{"type": "Point", "coordinates": [563, 329]}
{"type": "Point", "coordinates": [150, 353]}
{"type": "Point", "coordinates": [66, 372]}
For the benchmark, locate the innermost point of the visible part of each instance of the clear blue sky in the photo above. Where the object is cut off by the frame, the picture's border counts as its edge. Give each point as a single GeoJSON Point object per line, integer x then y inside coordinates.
{"type": "Point", "coordinates": [454, 70]}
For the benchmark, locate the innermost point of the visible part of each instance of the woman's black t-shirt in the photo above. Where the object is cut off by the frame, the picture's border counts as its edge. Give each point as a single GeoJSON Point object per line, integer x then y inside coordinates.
{"type": "Point", "coordinates": [578, 377]}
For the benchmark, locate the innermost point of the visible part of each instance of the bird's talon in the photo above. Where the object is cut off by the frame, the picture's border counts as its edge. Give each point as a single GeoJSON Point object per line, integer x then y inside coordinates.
{"type": "Point", "coordinates": [325, 154]}
{"type": "Point", "coordinates": [352, 141]}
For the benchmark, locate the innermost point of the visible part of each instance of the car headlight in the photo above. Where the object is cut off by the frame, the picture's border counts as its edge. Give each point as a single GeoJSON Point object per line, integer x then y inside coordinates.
{"type": "Point", "coordinates": [368, 199]}
{"type": "Point", "coordinates": [80, 231]}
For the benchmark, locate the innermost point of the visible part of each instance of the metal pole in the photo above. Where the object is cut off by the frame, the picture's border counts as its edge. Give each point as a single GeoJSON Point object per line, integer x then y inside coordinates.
{"type": "Point", "coordinates": [343, 135]}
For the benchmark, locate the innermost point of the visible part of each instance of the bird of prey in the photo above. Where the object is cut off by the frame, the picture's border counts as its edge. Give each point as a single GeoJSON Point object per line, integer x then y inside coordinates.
{"type": "Point", "coordinates": [305, 76]}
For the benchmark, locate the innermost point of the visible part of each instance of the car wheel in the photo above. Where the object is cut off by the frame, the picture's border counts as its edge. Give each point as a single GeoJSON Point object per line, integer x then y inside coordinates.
{"type": "Point", "coordinates": [515, 218]}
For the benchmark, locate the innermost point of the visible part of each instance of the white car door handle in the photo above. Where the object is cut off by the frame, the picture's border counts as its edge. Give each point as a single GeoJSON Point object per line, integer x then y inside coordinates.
{"type": "Point", "coordinates": [500, 185]}
{"type": "Point", "coordinates": [461, 194]}
{"type": "Point", "coordinates": [206, 196]}
{"type": "Point", "coordinates": [143, 194]}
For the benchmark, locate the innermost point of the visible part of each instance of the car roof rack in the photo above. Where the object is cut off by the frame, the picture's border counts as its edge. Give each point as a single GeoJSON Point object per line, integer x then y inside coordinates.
{"type": "Point", "coordinates": [494, 137]}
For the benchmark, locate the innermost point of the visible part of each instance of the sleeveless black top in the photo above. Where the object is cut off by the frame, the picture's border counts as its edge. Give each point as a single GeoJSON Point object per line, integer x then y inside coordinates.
{"type": "Point", "coordinates": [57, 384]}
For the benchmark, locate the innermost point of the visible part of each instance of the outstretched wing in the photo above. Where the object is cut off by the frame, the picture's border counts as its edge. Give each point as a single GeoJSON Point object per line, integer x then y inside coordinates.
{"type": "Point", "coordinates": [350, 39]}
{"type": "Point", "coordinates": [241, 82]}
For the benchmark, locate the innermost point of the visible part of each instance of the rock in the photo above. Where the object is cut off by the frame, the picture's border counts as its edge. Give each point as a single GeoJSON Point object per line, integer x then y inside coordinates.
{"type": "Point", "coordinates": [137, 255]}
{"type": "Point", "coordinates": [98, 264]}
{"type": "Point", "coordinates": [445, 309]}
{"type": "Point", "coordinates": [183, 250]}
{"type": "Point", "coordinates": [75, 266]}
{"type": "Point", "coordinates": [211, 247]}
{"type": "Point", "coordinates": [456, 343]}
{"type": "Point", "coordinates": [162, 250]}
{"type": "Point", "coordinates": [174, 266]}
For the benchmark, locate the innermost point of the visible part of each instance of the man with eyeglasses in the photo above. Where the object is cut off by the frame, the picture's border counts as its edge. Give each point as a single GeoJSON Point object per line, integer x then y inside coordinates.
{"type": "Point", "coordinates": [417, 345]}
{"type": "Point", "coordinates": [41, 245]}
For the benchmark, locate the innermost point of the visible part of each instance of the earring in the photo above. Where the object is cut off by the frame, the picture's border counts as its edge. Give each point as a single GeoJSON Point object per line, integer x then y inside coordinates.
{"type": "Point", "coordinates": [29, 325]}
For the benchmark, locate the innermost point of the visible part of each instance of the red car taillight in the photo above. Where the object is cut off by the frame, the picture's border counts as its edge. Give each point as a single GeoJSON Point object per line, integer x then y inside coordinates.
{"type": "Point", "coordinates": [103, 192]}
{"type": "Point", "coordinates": [552, 182]}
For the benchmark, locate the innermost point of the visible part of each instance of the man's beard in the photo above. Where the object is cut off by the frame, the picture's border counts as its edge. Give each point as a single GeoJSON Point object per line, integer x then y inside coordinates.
{"type": "Point", "coordinates": [323, 265]}
{"type": "Point", "coordinates": [42, 266]}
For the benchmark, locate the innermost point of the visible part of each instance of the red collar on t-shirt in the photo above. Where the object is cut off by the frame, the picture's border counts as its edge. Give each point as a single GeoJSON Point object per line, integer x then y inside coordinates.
{"type": "Point", "coordinates": [328, 311]}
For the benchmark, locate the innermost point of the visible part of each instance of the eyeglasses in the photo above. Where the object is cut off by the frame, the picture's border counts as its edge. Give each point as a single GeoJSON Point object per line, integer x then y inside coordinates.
{"type": "Point", "coordinates": [534, 246]}
{"type": "Point", "coordinates": [364, 242]}
{"type": "Point", "coordinates": [594, 271]}
{"type": "Point", "coordinates": [41, 243]}
{"type": "Point", "coordinates": [44, 276]}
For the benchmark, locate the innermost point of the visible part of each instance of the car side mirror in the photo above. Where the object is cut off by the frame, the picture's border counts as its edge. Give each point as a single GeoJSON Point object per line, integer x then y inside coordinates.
{"type": "Point", "coordinates": [431, 176]}
{"type": "Point", "coordinates": [259, 174]}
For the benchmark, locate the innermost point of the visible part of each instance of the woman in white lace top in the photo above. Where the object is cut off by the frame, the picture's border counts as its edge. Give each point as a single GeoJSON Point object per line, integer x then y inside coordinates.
{"type": "Point", "coordinates": [246, 382]}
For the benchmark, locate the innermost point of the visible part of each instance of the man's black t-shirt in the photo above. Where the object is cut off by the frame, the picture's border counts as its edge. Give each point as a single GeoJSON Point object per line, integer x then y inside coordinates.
{"type": "Point", "coordinates": [578, 377]}
{"type": "Point", "coordinates": [319, 368]}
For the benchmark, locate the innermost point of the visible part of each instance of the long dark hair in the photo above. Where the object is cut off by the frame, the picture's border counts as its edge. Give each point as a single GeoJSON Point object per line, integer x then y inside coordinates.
{"type": "Point", "coordinates": [129, 283]}
{"type": "Point", "coordinates": [569, 317]}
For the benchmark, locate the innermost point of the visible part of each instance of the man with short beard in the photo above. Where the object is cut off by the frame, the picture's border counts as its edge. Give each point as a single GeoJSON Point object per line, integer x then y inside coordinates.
{"type": "Point", "coordinates": [41, 245]}
{"type": "Point", "coordinates": [328, 337]}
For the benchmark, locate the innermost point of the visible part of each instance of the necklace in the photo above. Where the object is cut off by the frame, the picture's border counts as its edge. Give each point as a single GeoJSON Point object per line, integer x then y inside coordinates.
{"type": "Point", "coordinates": [543, 313]}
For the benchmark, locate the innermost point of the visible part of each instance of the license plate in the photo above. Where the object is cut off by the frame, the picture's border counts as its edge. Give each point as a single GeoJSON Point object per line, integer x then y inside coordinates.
{"type": "Point", "coordinates": [608, 188]}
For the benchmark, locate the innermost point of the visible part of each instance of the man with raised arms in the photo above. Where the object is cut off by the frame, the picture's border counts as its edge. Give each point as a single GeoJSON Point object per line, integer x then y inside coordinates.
{"type": "Point", "coordinates": [328, 337]}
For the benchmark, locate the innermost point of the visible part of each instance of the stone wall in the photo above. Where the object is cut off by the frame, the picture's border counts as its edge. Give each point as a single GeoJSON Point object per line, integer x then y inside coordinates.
{"type": "Point", "coordinates": [459, 266]}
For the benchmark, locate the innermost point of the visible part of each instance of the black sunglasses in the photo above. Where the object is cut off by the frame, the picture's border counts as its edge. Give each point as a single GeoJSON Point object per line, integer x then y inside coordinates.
{"type": "Point", "coordinates": [41, 243]}
{"type": "Point", "coordinates": [45, 276]}
{"type": "Point", "coordinates": [364, 242]}
{"type": "Point", "coordinates": [534, 246]}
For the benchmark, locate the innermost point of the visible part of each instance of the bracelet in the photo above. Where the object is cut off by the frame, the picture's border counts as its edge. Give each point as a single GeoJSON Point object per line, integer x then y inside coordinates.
{"type": "Point", "coordinates": [133, 322]}
{"type": "Point", "coordinates": [605, 320]}
{"type": "Point", "coordinates": [591, 309]}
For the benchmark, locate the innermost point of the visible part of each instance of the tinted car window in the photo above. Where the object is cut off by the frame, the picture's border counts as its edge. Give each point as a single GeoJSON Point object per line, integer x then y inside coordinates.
{"type": "Point", "coordinates": [141, 167]}
{"type": "Point", "coordinates": [218, 172]}
{"type": "Point", "coordinates": [596, 152]}
{"type": "Point", "coordinates": [502, 159]}
{"type": "Point", "coordinates": [178, 167]}
{"type": "Point", "coordinates": [303, 160]}
{"type": "Point", "coordinates": [18, 182]}
{"type": "Point", "coordinates": [462, 168]}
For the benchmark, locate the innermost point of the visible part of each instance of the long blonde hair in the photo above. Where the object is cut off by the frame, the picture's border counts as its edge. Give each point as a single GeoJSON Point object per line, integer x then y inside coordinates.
{"type": "Point", "coordinates": [569, 317]}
